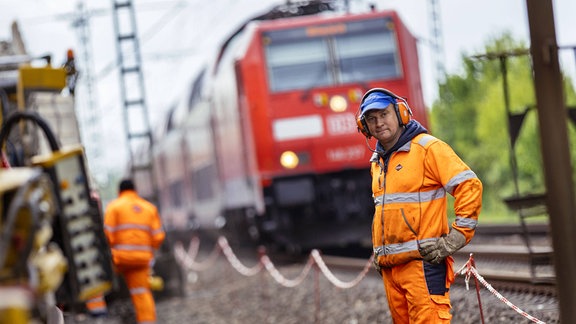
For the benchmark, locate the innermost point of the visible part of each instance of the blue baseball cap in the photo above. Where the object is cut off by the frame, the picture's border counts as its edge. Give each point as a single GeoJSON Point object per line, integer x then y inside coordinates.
{"type": "Point", "coordinates": [376, 100]}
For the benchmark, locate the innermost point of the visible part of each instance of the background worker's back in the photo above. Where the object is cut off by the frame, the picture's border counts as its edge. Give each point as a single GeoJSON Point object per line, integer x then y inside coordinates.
{"type": "Point", "coordinates": [134, 231]}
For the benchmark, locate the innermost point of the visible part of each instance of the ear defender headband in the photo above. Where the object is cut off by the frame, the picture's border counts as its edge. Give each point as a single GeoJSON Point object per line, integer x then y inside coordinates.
{"type": "Point", "coordinates": [401, 109]}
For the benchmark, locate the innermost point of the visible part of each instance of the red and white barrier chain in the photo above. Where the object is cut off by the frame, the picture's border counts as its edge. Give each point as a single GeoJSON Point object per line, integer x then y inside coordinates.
{"type": "Point", "coordinates": [469, 270]}
{"type": "Point", "coordinates": [283, 280]}
{"type": "Point", "coordinates": [235, 262]}
{"type": "Point", "coordinates": [335, 281]}
{"type": "Point", "coordinates": [186, 259]}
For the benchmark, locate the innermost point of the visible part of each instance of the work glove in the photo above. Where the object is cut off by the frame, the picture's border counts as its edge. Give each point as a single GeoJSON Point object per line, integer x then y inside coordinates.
{"type": "Point", "coordinates": [375, 263]}
{"type": "Point", "coordinates": [436, 252]}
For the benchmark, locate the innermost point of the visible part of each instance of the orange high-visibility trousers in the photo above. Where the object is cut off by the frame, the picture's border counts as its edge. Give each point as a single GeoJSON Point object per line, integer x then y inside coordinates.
{"type": "Point", "coordinates": [139, 286]}
{"type": "Point", "coordinates": [409, 299]}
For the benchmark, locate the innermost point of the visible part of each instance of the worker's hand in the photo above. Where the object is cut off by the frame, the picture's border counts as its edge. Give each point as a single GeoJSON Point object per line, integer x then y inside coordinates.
{"type": "Point", "coordinates": [436, 252]}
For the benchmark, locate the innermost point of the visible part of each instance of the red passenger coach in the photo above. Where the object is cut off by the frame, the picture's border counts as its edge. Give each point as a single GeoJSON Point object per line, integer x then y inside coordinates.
{"type": "Point", "coordinates": [289, 164]}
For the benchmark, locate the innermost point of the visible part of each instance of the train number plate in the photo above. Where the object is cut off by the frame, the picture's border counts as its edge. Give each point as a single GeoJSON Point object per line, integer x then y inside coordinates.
{"type": "Point", "coordinates": [348, 153]}
{"type": "Point", "coordinates": [340, 124]}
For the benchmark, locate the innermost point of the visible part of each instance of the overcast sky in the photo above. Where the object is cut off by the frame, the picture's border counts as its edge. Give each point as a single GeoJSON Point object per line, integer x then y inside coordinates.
{"type": "Point", "coordinates": [175, 36]}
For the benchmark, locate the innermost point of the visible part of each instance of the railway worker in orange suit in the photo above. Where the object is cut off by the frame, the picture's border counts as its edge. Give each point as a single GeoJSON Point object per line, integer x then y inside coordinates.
{"type": "Point", "coordinates": [412, 173]}
{"type": "Point", "coordinates": [134, 231]}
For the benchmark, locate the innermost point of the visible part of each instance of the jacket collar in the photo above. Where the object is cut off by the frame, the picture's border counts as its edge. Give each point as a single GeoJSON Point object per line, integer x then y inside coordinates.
{"type": "Point", "coordinates": [128, 193]}
{"type": "Point", "coordinates": [412, 129]}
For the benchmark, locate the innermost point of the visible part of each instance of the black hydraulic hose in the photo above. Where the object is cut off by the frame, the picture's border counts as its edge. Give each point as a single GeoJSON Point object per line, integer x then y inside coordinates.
{"type": "Point", "coordinates": [4, 102]}
{"type": "Point", "coordinates": [19, 115]}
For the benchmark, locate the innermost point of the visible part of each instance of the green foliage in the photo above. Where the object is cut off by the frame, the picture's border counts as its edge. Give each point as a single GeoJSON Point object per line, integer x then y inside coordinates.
{"type": "Point", "coordinates": [471, 114]}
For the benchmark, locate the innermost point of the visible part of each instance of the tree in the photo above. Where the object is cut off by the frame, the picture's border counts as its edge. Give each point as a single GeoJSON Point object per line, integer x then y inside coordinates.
{"type": "Point", "coordinates": [471, 115]}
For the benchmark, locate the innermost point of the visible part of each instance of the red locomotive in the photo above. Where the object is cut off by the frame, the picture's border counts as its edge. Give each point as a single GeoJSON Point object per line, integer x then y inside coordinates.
{"type": "Point", "coordinates": [265, 145]}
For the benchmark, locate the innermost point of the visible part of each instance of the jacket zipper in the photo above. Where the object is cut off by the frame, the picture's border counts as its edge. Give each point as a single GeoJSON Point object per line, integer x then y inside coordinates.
{"type": "Point", "coordinates": [383, 170]}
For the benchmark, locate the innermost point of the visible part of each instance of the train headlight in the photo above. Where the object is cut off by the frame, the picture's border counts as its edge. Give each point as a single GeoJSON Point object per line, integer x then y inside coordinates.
{"type": "Point", "coordinates": [289, 160]}
{"type": "Point", "coordinates": [355, 95]}
{"type": "Point", "coordinates": [338, 103]}
{"type": "Point", "coordinates": [320, 99]}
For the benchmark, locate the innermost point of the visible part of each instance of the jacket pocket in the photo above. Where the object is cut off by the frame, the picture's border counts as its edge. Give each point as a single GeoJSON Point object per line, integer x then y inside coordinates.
{"type": "Point", "coordinates": [399, 226]}
{"type": "Point", "coordinates": [443, 307]}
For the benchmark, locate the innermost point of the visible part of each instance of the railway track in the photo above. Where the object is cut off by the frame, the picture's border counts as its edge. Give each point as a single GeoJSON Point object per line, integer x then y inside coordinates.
{"type": "Point", "coordinates": [507, 268]}
{"type": "Point", "coordinates": [498, 276]}
{"type": "Point", "coordinates": [511, 262]}
{"type": "Point", "coordinates": [501, 257]}
{"type": "Point", "coordinates": [499, 251]}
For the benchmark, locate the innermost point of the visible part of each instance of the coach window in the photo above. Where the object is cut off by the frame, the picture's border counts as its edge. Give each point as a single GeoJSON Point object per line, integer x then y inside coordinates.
{"type": "Point", "coordinates": [298, 65]}
{"type": "Point", "coordinates": [367, 57]}
{"type": "Point", "coordinates": [203, 180]}
{"type": "Point", "coordinates": [176, 188]}
{"type": "Point", "coordinates": [162, 169]}
{"type": "Point", "coordinates": [196, 90]}
{"type": "Point", "coordinates": [170, 123]}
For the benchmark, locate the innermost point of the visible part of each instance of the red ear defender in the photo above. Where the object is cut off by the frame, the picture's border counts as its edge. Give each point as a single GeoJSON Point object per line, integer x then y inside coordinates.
{"type": "Point", "coordinates": [362, 127]}
{"type": "Point", "coordinates": [404, 112]}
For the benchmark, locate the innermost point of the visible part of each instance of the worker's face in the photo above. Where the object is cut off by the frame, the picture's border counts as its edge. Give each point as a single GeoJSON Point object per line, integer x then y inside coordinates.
{"type": "Point", "coordinates": [384, 126]}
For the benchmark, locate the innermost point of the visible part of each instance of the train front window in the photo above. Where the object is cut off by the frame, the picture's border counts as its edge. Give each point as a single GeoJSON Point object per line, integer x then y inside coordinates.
{"type": "Point", "coordinates": [366, 57]}
{"type": "Point", "coordinates": [298, 64]}
{"type": "Point", "coordinates": [332, 54]}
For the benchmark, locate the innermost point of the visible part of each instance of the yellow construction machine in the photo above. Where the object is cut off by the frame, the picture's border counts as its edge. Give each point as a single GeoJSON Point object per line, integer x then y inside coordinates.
{"type": "Point", "coordinates": [52, 246]}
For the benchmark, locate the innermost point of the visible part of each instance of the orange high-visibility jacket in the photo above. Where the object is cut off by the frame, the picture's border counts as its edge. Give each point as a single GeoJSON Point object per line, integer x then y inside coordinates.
{"type": "Point", "coordinates": [133, 228]}
{"type": "Point", "coordinates": [410, 198]}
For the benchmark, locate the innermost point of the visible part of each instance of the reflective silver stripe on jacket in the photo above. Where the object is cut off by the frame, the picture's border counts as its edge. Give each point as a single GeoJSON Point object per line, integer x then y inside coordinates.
{"type": "Point", "coordinates": [397, 248]}
{"type": "Point", "coordinates": [411, 197]}
{"type": "Point", "coordinates": [466, 222]}
{"type": "Point", "coordinates": [131, 247]}
{"type": "Point", "coordinates": [458, 179]}
{"type": "Point", "coordinates": [138, 290]}
{"type": "Point", "coordinates": [425, 139]}
{"type": "Point", "coordinates": [128, 227]}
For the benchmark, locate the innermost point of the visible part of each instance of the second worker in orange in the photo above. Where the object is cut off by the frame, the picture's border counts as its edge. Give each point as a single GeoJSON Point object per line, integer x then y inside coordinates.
{"type": "Point", "coordinates": [134, 231]}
